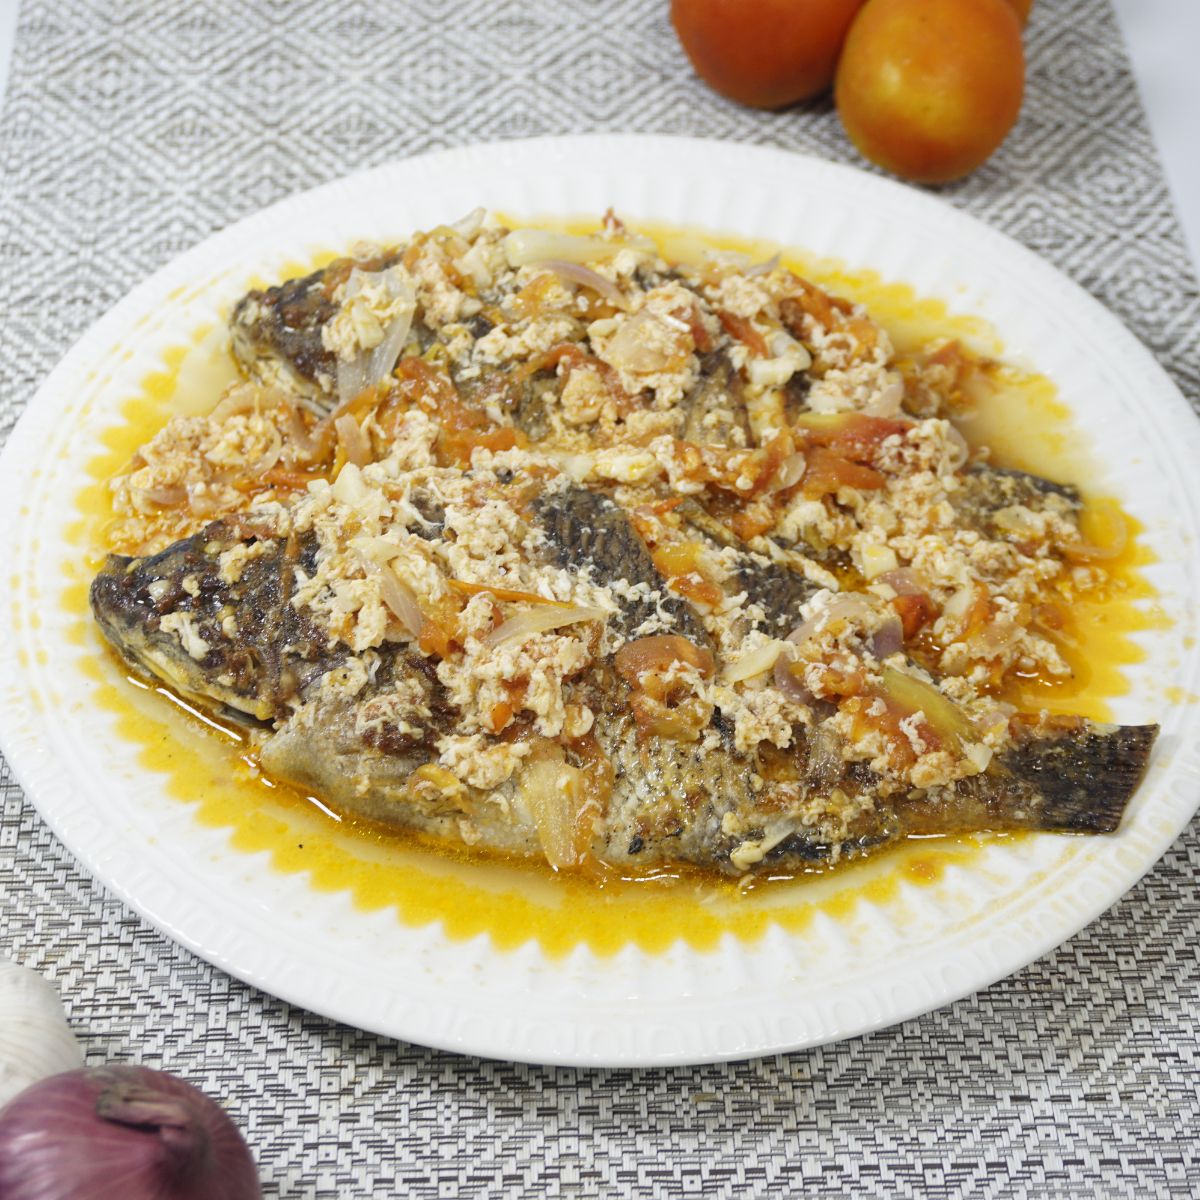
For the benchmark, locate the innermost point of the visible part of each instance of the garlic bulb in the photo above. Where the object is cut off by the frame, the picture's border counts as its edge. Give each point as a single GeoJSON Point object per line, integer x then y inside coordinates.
{"type": "Point", "coordinates": [35, 1040]}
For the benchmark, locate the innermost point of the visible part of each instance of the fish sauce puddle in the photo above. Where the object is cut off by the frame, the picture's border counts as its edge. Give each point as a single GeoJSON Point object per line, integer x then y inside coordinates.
{"type": "Point", "coordinates": [206, 764]}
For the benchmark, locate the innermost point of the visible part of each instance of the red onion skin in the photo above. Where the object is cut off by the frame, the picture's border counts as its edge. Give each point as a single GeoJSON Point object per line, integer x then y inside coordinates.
{"type": "Point", "coordinates": [888, 639]}
{"type": "Point", "coordinates": [121, 1133]}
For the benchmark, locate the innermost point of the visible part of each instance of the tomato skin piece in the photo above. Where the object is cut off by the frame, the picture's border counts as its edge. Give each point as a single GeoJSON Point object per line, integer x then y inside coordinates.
{"type": "Point", "coordinates": [764, 53]}
{"type": "Point", "coordinates": [915, 612]}
{"type": "Point", "coordinates": [928, 89]}
{"type": "Point", "coordinates": [827, 472]}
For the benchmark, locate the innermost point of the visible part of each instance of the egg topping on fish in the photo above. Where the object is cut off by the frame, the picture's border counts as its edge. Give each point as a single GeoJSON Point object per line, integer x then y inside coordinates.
{"type": "Point", "coordinates": [538, 543]}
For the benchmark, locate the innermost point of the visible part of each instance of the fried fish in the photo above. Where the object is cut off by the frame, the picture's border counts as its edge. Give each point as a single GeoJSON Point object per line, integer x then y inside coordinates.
{"type": "Point", "coordinates": [543, 545]}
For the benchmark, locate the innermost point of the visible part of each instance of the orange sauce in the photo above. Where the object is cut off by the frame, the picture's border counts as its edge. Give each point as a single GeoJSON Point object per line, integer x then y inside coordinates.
{"type": "Point", "coordinates": [204, 765]}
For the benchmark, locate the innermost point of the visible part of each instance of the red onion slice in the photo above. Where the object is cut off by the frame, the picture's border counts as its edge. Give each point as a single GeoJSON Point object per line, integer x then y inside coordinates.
{"type": "Point", "coordinates": [888, 639]}
{"type": "Point", "coordinates": [788, 682]}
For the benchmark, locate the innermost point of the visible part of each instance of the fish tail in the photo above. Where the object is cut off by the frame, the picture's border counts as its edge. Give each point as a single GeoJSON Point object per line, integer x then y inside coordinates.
{"type": "Point", "coordinates": [1083, 782]}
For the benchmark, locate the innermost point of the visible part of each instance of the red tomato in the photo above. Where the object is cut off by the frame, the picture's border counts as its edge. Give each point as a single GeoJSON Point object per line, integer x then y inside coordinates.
{"type": "Point", "coordinates": [1022, 7]}
{"type": "Point", "coordinates": [929, 88]}
{"type": "Point", "coordinates": [765, 53]}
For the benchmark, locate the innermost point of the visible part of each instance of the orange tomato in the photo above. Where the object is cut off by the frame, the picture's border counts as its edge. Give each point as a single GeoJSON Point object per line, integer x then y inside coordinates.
{"type": "Point", "coordinates": [765, 53]}
{"type": "Point", "coordinates": [929, 88]}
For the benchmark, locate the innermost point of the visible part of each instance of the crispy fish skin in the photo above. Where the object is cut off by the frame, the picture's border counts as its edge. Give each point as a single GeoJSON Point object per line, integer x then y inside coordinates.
{"type": "Point", "coordinates": [330, 748]}
{"type": "Point", "coordinates": [583, 527]}
{"type": "Point", "coordinates": [276, 332]}
{"type": "Point", "coordinates": [715, 408]}
{"type": "Point", "coordinates": [986, 490]}
{"type": "Point", "coordinates": [240, 645]}
{"type": "Point", "coordinates": [777, 588]}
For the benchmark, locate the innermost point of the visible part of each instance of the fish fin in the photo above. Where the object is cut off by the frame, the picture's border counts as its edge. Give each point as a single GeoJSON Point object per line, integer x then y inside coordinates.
{"type": "Point", "coordinates": [1085, 781]}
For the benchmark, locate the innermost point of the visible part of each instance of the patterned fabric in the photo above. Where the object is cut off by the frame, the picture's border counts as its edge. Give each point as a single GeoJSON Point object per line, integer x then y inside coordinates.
{"type": "Point", "coordinates": [133, 130]}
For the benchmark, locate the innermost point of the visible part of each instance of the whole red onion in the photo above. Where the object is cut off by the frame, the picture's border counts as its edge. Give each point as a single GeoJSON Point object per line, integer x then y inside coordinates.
{"type": "Point", "coordinates": [121, 1133]}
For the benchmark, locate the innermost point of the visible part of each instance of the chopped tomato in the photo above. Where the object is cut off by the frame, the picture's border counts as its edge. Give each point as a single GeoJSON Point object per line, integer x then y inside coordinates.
{"type": "Point", "coordinates": [700, 334]}
{"type": "Point", "coordinates": [532, 298]}
{"type": "Point", "coordinates": [501, 593]}
{"type": "Point", "coordinates": [915, 612]}
{"type": "Point", "coordinates": [500, 715]}
{"type": "Point", "coordinates": [812, 301]}
{"type": "Point", "coordinates": [826, 472]}
{"type": "Point", "coordinates": [754, 519]}
{"type": "Point", "coordinates": [434, 640]}
{"type": "Point", "coordinates": [680, 563]}
{"type": "Point", "coordinates": [853, 435]}
{"type": "Point", "coordinates": [678, 559]}
{"type": "Point", "coordinates": [695, 587]}
{"type": "Point", "coordinates": [639, 658]}
{"type": "Point", "coordinates": [743, 331]}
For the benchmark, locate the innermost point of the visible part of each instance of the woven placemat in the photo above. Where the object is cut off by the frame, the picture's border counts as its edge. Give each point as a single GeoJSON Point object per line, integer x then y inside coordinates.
{"type": "Point", "coordinates": [131, 131]}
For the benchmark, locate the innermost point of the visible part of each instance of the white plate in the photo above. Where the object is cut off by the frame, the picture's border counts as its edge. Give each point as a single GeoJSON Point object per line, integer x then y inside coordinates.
{"type": "Point", "coordinates": [887, 960]}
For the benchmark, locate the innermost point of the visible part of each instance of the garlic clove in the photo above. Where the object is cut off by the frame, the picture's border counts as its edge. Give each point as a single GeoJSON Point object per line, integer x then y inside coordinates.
{"type": "Point", "coordinates": [35, 1039]}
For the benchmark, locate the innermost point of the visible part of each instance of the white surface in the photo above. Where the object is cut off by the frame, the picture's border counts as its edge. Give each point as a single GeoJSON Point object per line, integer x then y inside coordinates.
{"type": "Point", "coordinates": [1164, 45]}
{"type": "Point", "coordinates": [884, 962]}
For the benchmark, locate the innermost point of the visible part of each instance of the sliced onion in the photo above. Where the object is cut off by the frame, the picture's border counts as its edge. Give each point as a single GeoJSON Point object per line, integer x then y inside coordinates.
{"type": "Point", "coordinates": [256, 468]}
{"type": "Point", "coordinates": [960, 451]}
{"type": "Point", "coordinates": [539, 620]}
{"type": "Point", "coordinates": [167, 496]}
{"type": "Point", "coordinates": [402, 601]}
{"type": "Point", "coordinates": [202, 503]}
{"type": "Point", "coordinates": [354, 441]}
{"type": "Point", "coordinates": [995, 638]}
{"type": "Point", "coordinates": [887, 403]}
{"type": "Point", "coordinates": [586, 277]}
{"type": "Point", "coordinates": [524, 247]}
{"type": "Point", "coordinates": [370, 367]}
{"type": "Point", "coordinates": [904, 581]}
{"type": "Point", "coordinates": [1103, 518]}
{"type": "Point", "coordinates": [303, 446]}
{"type": "Point", "coordinates": [888, 639]}
{"type": "Point", "coordinates": [242, 398]}
{"type": "Point", "coordinates": [758, 661]}
{"type": "Point", "coordinates": [849, 606]}
{"type": "Point", "coordinates": [630, 350]}
{"type": "Point", "coordinates": [788, 682]}
{"type": "Point", "coordinates": [764, 268]}
{"type": "Point", "coordinates": [914, 695]}
{"type": "Point", "coordinates": [790, 472]}
{"type": "Point", "coordinates": [553, 791]}
{"type": "Point", "coordinates": [467, 227]}
{"type": "Point", "coordinates": [825, 763]}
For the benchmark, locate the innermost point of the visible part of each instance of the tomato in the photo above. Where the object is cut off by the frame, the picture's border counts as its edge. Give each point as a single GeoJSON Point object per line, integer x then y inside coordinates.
{"type": "Point", "coordinates": [929, 88]}
{"type": "Point", "coordinates": [765, 53]}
